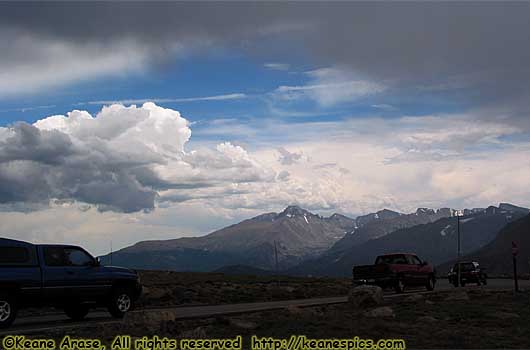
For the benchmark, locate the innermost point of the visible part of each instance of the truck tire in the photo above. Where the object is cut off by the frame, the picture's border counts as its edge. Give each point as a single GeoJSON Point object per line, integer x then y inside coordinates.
{"type": "Point", "coordinates": [430, 283]}
{"type": "Point", "coordinates": [8, 310]}
{"type": "Point", "coordinates": [121, 302]}
{"type": "Point", "coordinates": [76, 312]}
{"type": "Point", "coordinates": [400, 285]}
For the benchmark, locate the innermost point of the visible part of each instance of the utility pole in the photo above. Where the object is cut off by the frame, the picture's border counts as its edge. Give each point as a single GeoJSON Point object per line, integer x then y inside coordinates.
{"type": "Point", "coordinates": [515, 251]}
{"type": "Point", "coordinates": [111, 252]}
{"type": "Point", "coordinates": [276, 259]}
{"type": "Point", "coordinates": [459, 250]}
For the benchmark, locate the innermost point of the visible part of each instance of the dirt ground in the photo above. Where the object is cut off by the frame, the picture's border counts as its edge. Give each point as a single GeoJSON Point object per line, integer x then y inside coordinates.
{"type": "Point", "coordinates": [486, 320]}
{"type": "Point", "coordinates": [169, 288]}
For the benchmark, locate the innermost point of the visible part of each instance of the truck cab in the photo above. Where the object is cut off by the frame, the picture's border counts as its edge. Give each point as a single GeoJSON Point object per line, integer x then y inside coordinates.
{"type": "Point", "coordinates": [397, 271]}
{"type": "Point", "coordinates": [61, 276]}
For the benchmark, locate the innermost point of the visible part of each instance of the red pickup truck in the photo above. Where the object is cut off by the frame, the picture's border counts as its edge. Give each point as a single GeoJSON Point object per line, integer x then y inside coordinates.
{"type": "Point", "coordinates": [398, 271]}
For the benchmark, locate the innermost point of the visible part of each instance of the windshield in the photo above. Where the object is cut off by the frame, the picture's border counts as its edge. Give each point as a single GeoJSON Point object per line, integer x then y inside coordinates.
{"type": "Point", "coordinates": [391, 259]}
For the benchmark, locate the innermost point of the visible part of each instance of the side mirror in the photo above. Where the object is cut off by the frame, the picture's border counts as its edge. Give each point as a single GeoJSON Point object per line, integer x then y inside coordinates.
{"type": "Point", "coordinates": [97, 262]}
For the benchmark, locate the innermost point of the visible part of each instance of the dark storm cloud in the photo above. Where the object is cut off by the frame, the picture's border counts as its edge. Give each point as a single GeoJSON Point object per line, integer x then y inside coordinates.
{"type": "Point", "coordinates": [434, 47]}
{"type": "Point", "coordinates": [30, 144]}
{"type": "Point", "coordinates": [390, 39]}
{"type": "Point", "coordinates": [40, 165]}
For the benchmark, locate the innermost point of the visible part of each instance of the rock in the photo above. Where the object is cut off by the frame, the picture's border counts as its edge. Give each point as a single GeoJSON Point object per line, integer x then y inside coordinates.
{"type": "Point", "coordinates": [196, 333]}
{"type": "Point", "coordinates": [365, 296]}
{"type": "Point", "coordinates": [289, 289]}
{"type": "Point", "coordinates": [429, 302]}
{"type": "Point", "coordinates": [457, 296]}
{"type": "Point", "coordinates": [414, 298]}
{"type": "Point", "coordinates": [243, 324]}
{"type": "Point", "coordinates": [427, 319]}
{"type": "Point", "coordinates": [381, 312]}
{"type": "Point", "coordinates": [504, 315]}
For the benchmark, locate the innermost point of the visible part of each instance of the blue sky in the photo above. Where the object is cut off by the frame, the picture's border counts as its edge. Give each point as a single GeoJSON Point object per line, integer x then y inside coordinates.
{"type": "Point", "coordinates": [348, 108]}
{"type": "Point", "coordinates": [220, 75]}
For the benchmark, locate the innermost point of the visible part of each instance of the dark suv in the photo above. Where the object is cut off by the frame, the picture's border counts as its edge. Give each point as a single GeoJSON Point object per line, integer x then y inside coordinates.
{"type": "Point", "coordinates": [470, 272]}
{"type": "Point", "coordinates": [61, 276]}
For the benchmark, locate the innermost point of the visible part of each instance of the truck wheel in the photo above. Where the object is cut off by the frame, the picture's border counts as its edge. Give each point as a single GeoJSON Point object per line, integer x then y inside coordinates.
{"type": "Point", "coordinates": [76, 312]}
{"type": "Point", "coordinates": [430, 283]}
{"type": "Point", "coordinates": [400, 286]}
{"type": "Point", "coordinates": [8, 310]}
{"type": "Point", "coordinates": [121, 302]}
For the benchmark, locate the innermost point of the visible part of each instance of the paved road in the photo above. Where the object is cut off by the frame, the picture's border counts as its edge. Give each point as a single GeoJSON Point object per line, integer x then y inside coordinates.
{"type": "Point", "coordinates": [39, 324]}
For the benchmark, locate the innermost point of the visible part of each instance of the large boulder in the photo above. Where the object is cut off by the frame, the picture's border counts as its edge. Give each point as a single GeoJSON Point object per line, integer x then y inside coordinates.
{"type": "Point", "coordinates": [365, 296]}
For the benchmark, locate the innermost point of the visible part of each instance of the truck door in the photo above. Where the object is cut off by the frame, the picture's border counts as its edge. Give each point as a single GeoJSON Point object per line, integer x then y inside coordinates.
{"type": "Point", "coordinates": [88, 281]}
{"type": "Point", "coordinates": [419, 276]}
{"type": "Point", "coordinates": [402, 266]}
{"type": "Point", "coordinates": [55, 276]}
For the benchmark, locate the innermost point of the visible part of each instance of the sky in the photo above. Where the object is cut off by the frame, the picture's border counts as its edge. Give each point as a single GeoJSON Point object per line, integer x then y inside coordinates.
{"type": "Point", "coordinates": [122, 122]}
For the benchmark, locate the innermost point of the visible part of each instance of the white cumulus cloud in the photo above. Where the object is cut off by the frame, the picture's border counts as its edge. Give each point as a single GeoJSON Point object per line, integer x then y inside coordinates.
{"type": "Point", "coordinates": [123, 159]}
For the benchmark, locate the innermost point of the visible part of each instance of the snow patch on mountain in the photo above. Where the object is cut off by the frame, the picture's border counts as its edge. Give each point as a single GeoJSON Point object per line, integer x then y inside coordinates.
{"type": "Point", "coordinates": [444, 231]}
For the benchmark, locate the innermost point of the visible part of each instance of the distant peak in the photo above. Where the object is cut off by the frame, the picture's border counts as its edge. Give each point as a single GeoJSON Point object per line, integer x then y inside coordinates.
{"type": "Point", "coordinates": [425, 211]}
{"type": "Point", "coordinates": [336, 217]}
{"type": "Point", "coordinates": [386, 213]}
{"type": "Point", "coordinates": [294, 210]}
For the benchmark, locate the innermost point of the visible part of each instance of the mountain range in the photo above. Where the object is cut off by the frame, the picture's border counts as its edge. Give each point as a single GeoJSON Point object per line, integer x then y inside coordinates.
{"type": "Point", "coordinates": [294, 234]}
{"type": "Point", "coordinates": [435, 241]}
{"type": "Point", "coordinates": [385, 221]}
{"type": "Point", "coordinates": [309, 244]}
{"type": "Point", "coordinates": [496, 256]}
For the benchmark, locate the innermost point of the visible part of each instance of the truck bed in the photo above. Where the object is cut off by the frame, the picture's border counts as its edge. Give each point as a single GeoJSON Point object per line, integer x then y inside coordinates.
{"type": "Point", "coordinates": [379, 274]}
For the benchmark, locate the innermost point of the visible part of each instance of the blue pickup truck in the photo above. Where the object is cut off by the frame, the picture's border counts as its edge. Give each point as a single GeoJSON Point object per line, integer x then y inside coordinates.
{"type": "Point", "coordinates": [62, 276]}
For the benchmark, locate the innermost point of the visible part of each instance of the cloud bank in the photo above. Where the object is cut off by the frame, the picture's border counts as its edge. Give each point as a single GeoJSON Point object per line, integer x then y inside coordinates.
{"type": "Point", "coordinates": [124, 159]}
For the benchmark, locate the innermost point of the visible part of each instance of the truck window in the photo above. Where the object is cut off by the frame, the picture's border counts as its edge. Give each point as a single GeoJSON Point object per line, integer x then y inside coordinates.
{"type": "Point", "coordinates": [66, 256]}
{"type": "Point", "coordinates": [54, 256]}
{"type": "Point", "coordinates": [77, 257]}
{"type": "Point", "coordinates": [468, 267]}
{"type": "Point", "coordinates": [413, 260]}
{"type": "Point", "coordinates": [391, 259]}
{"type": "Point", "coordinates": [14, 256]}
